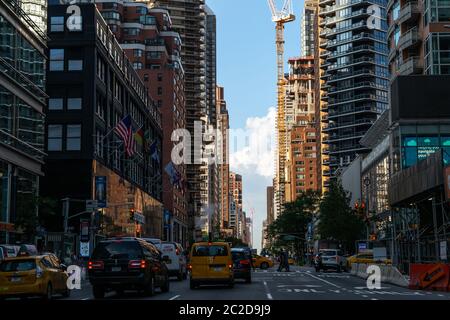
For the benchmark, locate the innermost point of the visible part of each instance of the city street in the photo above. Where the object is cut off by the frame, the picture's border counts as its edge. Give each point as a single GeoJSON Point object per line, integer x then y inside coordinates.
{"type": "Point", "coordinates": [299, 284]}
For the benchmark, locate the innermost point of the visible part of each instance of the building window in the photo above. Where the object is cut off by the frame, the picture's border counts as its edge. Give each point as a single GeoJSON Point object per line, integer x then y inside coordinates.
{"type": "Point", "coordinates": [55, 104]}
{"type": "Point", "coordinates": [137, 53]}
{"type": "Point", "coordinates": [54, 137]}
{"type": "Point", "coordinates": [159, 77]}
{"type": "Point", "coordinates": [160, 91]}
{"type": "Point", "coordinates": [73, 137]}
{"type": "Point", "coordinates": [56, 59]}
{"type": "Point", "coordinates": [137, 65]}
{"type": "Point", "coordinates": [74, 103]}
{"type": "Point", "coordinates": [56, 24]}
{"type": "Point", "coordinates": [146, 77]}
{"type": "Point", "coordinates": [75, 65]}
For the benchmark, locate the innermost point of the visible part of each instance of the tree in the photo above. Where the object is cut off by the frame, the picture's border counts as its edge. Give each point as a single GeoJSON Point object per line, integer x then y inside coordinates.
{"type": "Point", "coordinates": [293, 220]}
{"type": "Point", "coordinates": [338, 220]}
{"type": "Point", "coordinates": [31, 212]}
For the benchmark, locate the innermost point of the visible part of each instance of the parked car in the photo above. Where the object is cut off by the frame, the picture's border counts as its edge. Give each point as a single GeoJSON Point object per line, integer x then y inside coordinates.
{"type": "Point", "coordinates": [155, 241]}
{"type": "Point", "coordinates": [176, 259]}
{"type": "Point", "coordinates": [33, 275]}
{"type": "Point", "coordinates": [125, 264]}
{"type": "Point", "coordinates": [262, 262]}
{"type": "Point", "coordinates": [332, 259]}
{"type": "Point", "coordinates": [242, 265]}
{"type": "Point", "coordinates": [9, 250]}
{"type": "Point", "coordinates": [210, 263]}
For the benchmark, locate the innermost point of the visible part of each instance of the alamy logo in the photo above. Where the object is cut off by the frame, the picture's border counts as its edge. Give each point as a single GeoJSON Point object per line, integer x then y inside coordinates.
{"type": "Point", "coordinates": [74, 280]}
{"type": "Point", "coordinates": [374, 278]}
{"type": "Point", "coordinates": [374, 21]}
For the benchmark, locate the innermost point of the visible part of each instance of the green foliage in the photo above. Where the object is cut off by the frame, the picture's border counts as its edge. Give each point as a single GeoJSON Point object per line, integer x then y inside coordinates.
{"type": "Point", "coordinates": [338, 220]}
{"type": "Point", "coordinates": [32, 211]}
{"type": "Point", "coordinates": [235, 242]}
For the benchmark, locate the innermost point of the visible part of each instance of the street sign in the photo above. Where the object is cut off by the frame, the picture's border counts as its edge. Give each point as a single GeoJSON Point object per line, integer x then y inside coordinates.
{"type": "Point", "coordinates": [139, 217]}
{"type": "Point", "coordinates": [91, 205]}
{"type": "Point", "coordinates": [100, 191]}
{"type": "Point", "coordinates": [288, 238]}
{"type": "Point", "coordinates": [84, 249]}
{"type": "Point", "coordinates": [84, 230]}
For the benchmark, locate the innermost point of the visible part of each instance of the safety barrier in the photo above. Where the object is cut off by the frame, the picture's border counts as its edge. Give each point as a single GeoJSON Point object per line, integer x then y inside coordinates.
{"type": "Point", "coordinates": [389, 273]}
{"type": "Point", "coordinates": [430, 276]}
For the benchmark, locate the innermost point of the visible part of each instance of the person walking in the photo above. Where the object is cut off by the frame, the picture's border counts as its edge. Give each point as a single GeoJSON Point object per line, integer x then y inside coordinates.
{"type": "Point", "coordinates": [280, 260]}
{"type": "Point", "coordinates": [286, 260]}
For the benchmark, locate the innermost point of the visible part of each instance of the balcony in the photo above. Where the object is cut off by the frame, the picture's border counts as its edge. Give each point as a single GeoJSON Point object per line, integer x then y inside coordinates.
{"type": "Point", "coordinates": [409, 39]}
{"type": "Point", "coordinates": [409, 13]}
{"type": "Point", "coordinates": [412, 65]}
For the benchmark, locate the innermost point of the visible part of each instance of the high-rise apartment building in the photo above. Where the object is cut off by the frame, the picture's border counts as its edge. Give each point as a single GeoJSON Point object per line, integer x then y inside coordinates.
{"type": "Point", "coordinates": [223, 125]}
{"type": "Point", "coordinates": [188, 19]}
{"type": "Point", "coordinates": [36, 11]}
{"type": "Point", "coordinates": [22, 108]}
{"type": "Point", "coordinates": [419, 37]}
{"type": "Point", "coordinates": [235, 188]}
{"type": "Point", "coordinates": [308, 32]}
{"type": "Point", "coordinates": [269, 206]}
{"type": "Point", "coordinates": [301, 162]}
{"type": "Point", "coordinates": [146, 35]}
{"type": "Point", "coordinates": [353, 52]}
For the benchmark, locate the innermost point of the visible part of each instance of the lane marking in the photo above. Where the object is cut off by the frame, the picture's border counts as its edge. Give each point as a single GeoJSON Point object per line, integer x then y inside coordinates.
{"type": "Point", "coordinates": [85, 299]}
{"type": "Point", "coordinates": [269, 296]}
{"type": "Point", "coordinates": [323, 280]}
{"type": "Point", "coordinates": [374, 299]}
{"type": "Point", "coordinates": [174, 297]}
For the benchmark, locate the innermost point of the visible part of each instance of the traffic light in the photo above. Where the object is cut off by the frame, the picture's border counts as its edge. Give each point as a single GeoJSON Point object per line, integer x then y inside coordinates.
{"type": "Point", "coordinates": [132, 214]}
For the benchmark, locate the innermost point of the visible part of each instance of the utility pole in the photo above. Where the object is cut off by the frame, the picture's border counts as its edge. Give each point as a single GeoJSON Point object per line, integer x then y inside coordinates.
{"type": "Point", "coordinates": [436, 237]}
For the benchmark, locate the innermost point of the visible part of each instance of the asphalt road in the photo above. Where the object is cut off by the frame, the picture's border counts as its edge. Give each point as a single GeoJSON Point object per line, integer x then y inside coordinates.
{"type": "Point", "coordinates": [299, 284]}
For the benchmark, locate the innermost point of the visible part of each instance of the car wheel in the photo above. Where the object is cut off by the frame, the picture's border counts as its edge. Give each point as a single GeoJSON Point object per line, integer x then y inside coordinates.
{"type": "Point", "coordinates": [98, 291]}
{"type": "Point", "coordinates": [192, 284]}
{"type": "Point", "coordinates": [317, 269]}
{"type": "Point", "coordinates": [150, 290]}
{"type": "Point", "coordinates": [166, 286]}
{"type": "Point", "coordinates": [185, 275]}
{"type": "Point", "coordinates": [339, 269]}
{"type": "Point", "coordinates": [264, 265]}
{"type": "Point", "coordinates": [66, 293]}
{"type": "Point", "coordinates": [231, 284]}
{"type": "Point", "coordinates": [248, 280]}
{"type": "Point", "coordinates": [180, 275]}
{"type": "Point", "coordinates": [49, 293]}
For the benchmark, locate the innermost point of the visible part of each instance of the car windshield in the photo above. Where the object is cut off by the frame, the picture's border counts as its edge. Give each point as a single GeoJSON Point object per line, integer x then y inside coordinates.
{"type": "Point", "coordinates": [117, 250]}
{"type": "Point", "coordinates": [18, 265]}
{"type": "Point", "coordinates": [210, 251]}
{"type": "Point", "coordinates": [328, 253]}
{"type": "Point", "coordinates": [239, 255]}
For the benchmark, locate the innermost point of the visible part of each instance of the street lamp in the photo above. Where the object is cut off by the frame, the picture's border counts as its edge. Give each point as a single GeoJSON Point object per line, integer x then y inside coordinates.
{"type": "Point", "coordinates": [367, 184]}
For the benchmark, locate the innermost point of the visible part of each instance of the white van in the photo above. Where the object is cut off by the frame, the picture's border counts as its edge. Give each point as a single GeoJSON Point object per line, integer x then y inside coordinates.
{"type": "Point", "coordinates": [176, 262]}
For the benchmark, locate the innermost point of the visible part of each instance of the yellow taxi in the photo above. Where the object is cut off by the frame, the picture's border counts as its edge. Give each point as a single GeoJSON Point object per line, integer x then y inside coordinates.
{"type": "Point", "coordinates": [39, 275]}
{"type": "Point", "coordinates": [262, 262]}
{"type": "Point", "coordinates": [364, 257]}
{"type": "Point", "coordinates": [210, 263]}
{"type": "Point", "coordinates": [291, 261]}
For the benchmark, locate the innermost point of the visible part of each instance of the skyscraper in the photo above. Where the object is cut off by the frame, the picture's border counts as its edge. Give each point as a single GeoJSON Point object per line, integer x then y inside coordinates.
{"type": "Point", "coordinates": [355, 75]}
{"type": "Point", "coordinates": [22, 106]}
{"type": "Point", "coordinates": [308, 30]}
{"type": "Point", "coordinates": [188, 19]}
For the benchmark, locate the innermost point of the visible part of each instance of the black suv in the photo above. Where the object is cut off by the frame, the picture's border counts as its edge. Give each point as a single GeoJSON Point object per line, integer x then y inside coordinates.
{"type": "Point", "coordinates": [242, 264]}
{"type": "Point", "coordinates": [127, 263]}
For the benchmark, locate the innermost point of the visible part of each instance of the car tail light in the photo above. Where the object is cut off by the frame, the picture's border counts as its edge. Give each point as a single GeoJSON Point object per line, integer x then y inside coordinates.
{"type": "Point", "coordinates": [96, 265]}
{"type": "Point", "coordinates": [244, 262]}
{"type": "Point", "coordinates": [230, 266]}
{"type": "Point", "coordinates": [177, 252]}
{"type": "Point", "coordinates": [39, 272]}
{"type": "Point", "coordinates": [189, 267]}
{"type": "Point", "coordinates": [137, 264]}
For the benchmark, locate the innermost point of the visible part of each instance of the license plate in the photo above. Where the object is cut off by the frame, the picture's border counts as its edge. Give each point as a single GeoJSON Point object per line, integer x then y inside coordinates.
{"type": "Point", "coordinates": [16, 279]}
{"type": "Point", "coordinates": [217, 269]}
{"type": "Point", "coordinates": [116, 269]}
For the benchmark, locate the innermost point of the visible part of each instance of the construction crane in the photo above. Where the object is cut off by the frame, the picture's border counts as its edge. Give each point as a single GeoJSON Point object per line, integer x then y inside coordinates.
{"type": "Point", "coordinates": [285, 15]}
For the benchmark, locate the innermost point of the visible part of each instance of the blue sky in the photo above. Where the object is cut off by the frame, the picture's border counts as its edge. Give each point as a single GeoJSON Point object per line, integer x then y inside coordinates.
{"type": "Point", "coordinates": [246, 68]}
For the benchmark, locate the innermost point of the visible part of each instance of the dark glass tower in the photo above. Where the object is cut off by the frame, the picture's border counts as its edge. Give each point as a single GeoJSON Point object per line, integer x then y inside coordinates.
{"type": "Point", "coordinates": [354, 74]}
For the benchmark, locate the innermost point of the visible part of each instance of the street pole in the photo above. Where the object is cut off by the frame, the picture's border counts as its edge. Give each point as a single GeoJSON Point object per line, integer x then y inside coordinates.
{"type": "Point", "coordinates": [436, 237]}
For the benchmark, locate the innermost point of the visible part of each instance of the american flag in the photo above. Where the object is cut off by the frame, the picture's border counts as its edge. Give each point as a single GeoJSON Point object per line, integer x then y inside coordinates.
{"type": "Point", "coordinates": [125, 131]}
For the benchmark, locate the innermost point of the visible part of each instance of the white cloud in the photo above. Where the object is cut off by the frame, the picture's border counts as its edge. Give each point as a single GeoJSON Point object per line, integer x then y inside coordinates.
{"type": "Point", "coordinates": [252, 148]}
